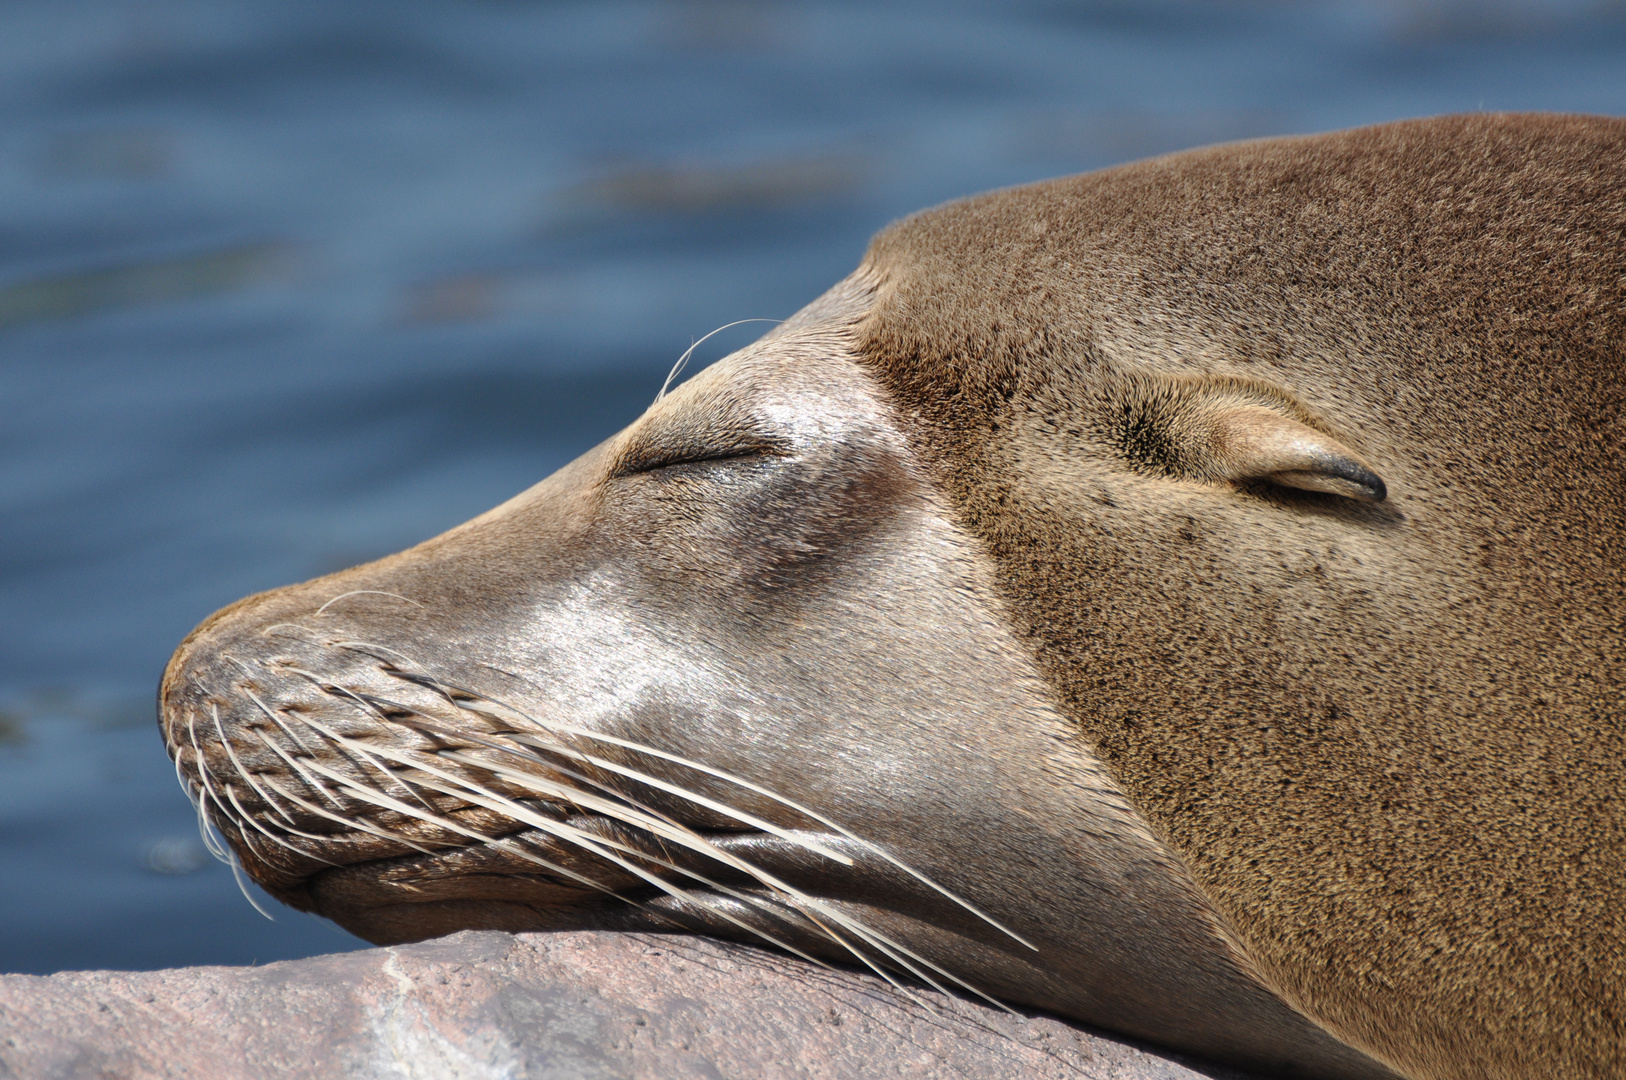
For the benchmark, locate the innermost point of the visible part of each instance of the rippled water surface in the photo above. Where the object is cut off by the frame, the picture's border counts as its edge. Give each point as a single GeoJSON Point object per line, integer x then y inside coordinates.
{"type": "Point", "coordinates": [287, 286]}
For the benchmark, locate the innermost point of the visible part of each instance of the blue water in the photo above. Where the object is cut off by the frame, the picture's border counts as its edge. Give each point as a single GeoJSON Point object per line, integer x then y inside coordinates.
{"type": "Point", "coordinates": [287, 286]}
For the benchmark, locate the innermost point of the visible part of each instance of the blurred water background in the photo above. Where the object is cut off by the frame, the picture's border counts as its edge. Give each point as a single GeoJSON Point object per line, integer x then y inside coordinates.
{"type": "Point", "coordinates": [288, 286]}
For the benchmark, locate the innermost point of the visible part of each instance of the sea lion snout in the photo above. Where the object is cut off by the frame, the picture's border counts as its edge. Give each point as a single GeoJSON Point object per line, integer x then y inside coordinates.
{"type": "Point", "coordinates": [286, 729]}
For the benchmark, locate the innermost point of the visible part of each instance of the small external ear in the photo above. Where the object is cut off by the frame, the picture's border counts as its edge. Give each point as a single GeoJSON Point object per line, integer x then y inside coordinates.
{"type": "Point", "coordinates": [1223, 429]}
{"type": "Point", "coordinates": [1251, 442]}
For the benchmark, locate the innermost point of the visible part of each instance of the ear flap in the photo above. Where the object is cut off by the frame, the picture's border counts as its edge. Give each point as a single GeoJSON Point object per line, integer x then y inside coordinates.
{"type": "Point", "coordinates": [1251, 442]}
{"type": "Point", "coordinates": [1221, 429]}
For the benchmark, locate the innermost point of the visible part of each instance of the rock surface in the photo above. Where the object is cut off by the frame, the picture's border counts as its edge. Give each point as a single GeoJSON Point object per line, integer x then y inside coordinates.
{"type": "Point", "coordinates": [578, 1006]}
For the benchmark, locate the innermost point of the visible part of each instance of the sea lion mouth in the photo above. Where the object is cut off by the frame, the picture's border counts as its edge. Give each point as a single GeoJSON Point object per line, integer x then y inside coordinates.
{"type": "Point", "coordinates": [502, 884]}
{"type": "Point", "coordinates": [347, 780]}
{"type": "Point", "coordinates": [358, 757]}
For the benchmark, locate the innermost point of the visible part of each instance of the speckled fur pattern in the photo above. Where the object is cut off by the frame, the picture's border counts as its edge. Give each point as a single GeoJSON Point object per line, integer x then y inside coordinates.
{"type": "Point", "coordinates": [1389, 739]}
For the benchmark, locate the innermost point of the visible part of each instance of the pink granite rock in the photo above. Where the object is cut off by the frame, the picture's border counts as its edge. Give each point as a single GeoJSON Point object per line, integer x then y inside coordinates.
{"type": "Point", "coordinates": [556, 1006]}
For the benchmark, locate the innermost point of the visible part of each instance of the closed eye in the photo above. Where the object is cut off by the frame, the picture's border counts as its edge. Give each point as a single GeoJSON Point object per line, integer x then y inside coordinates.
{"type": "Point", "coordinates": [646, 459]}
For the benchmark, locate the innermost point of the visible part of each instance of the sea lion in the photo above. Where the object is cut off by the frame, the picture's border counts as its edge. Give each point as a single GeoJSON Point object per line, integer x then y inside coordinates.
{"type": "Point", "coordinates": [1185, 597]}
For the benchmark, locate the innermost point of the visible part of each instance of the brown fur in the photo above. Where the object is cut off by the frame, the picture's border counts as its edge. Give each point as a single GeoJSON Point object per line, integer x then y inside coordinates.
{"type": "Point", "coordinates": [1388, 738]}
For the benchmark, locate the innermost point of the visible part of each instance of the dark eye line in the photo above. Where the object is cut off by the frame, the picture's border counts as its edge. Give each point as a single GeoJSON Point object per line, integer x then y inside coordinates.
{"type": "Point", "coordinates": [636, 464]}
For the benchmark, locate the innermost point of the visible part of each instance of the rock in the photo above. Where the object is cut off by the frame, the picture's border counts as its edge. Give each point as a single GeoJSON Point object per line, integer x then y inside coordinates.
{"type": "Point", "coordinates": [566, 1006]}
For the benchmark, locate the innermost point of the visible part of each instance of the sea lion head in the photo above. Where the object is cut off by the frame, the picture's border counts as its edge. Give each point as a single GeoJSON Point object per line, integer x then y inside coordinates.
{"type": "Point", "coordinates": [736, 670]}
{"type": "Point", "coordinates": [1100, 600]}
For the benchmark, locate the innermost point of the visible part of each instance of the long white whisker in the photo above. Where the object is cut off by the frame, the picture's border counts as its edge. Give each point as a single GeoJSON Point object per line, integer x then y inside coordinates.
{"type": "Point", "coordinates": [349, 823]}
{"type": "Point", "coordinates": [700, 800]}
{"type": "Point", "coordinates": [215, 844]}
{"type": "Point", "coordinates": [684, 359]}
{"type": "Point", "coordinates": [617, 806]}
{"type": "Point", "coordinates": [246, 818]}
{"type": "Point", "coordinates": [569, 729]}
{"type": "Point", "coordinates": [898, 953]}
{"type": "Point", "coordinates": [592, 844]}
{"type": "Point", "coordinates": [615, 809]}
{"type": "Point", "coordinates": [895, 951]}
{"type": "Point", "coordinates": [244, 834]}
{"type": "Point", "coordinates": [313, 782]}
{"type": "Point", "coordinates": [242, 771]}
{"type": "Point", "coordinates": [366, 592]}
{"type": "Point", "coordinates": [271, 714]}
{"type": "Point", "coordinates": [297, 741]}
{"type": "Point", "coordinates": [649, 820]}
{"type": "Point", "coordinates": [596, 845]}
{"type": "Point", "coordinates": [659, 825]}
{"type": "Point", "coordinates": [180, 778]}
{"type": "Point", "coordinates": [322, 838]}
{"type": "Point", "coordinates": [373, 711]}
{"type": "Point", "coordinates": [242, 886]}
{"type": "Point", "coordinates": [878, 969]}
{"type": "Point", "coordinates": [635, 774]}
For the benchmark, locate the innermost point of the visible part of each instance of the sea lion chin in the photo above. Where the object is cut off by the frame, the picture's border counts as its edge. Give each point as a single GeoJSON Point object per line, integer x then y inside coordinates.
{"type": "Point", "coordinates": [1183, 597]}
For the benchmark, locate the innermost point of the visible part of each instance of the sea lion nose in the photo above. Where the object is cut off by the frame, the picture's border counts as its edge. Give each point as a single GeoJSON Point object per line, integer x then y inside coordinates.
{"type": "Point", "coordinates": [245, 712]}
{"type": "Point", "coordinates": [210, 671]}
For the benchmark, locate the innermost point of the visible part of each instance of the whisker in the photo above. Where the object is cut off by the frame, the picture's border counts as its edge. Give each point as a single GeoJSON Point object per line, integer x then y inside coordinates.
{"type": "Point", "coordinates": [694, 842]}
{"type": "Point", "coordinates": [216, 845]}
{"type": "Point", "coordinates": [722, 808]}
{"type": "Point", "coordinates": [893, 950]}
{"type": "Point", "coordinates": [527, 737]}
{"type": "Point", "coordinates": [614, 810]}
{"type": "Point", "coordinates": [243, 771]}
{"type": "Point", "coordinates": [370, 709]}
{"type": "Point", "coordinates": [510, 715]}
{"type": "Point", "coordinates": [349, 823]}
{"type": "Point", "coordinates": [213, 842]}
{"type": "Point", "coordinates": [595, 845]}
{"type": "Point", "coordinates": [296, 740]}
{"type": "Point", "coordinates": [366, 592]}
{"type": "Point", "coordinates": [270, 713]}
{"type": "Point", "coordinates": [741, 816]}
{"type": "Point", "coordinates": [424, 722]}
{"type": "Point", "coordinates": [684, 359]}
{"type": "Point", "coordinates": [313, 782]}
{"type": "Point", "coordinates": [246, 818]}
{"type": "Point", "coordinates": [242, 886]}
{"type": "Point", "coordinates": [617, 811]}
{"type": "Point", "coordinates": [309, 781]}
{"type": "Point", "coordinates": [243, 834]}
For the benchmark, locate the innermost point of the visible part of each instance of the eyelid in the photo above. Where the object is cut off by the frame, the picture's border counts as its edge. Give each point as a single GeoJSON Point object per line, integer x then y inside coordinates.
{"type": "Point", "coordinates": [635, 462]}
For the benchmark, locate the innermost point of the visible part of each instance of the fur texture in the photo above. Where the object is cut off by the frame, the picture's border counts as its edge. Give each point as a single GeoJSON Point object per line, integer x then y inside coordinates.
{"type": "Point", "coordinates": [1388, 738]}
